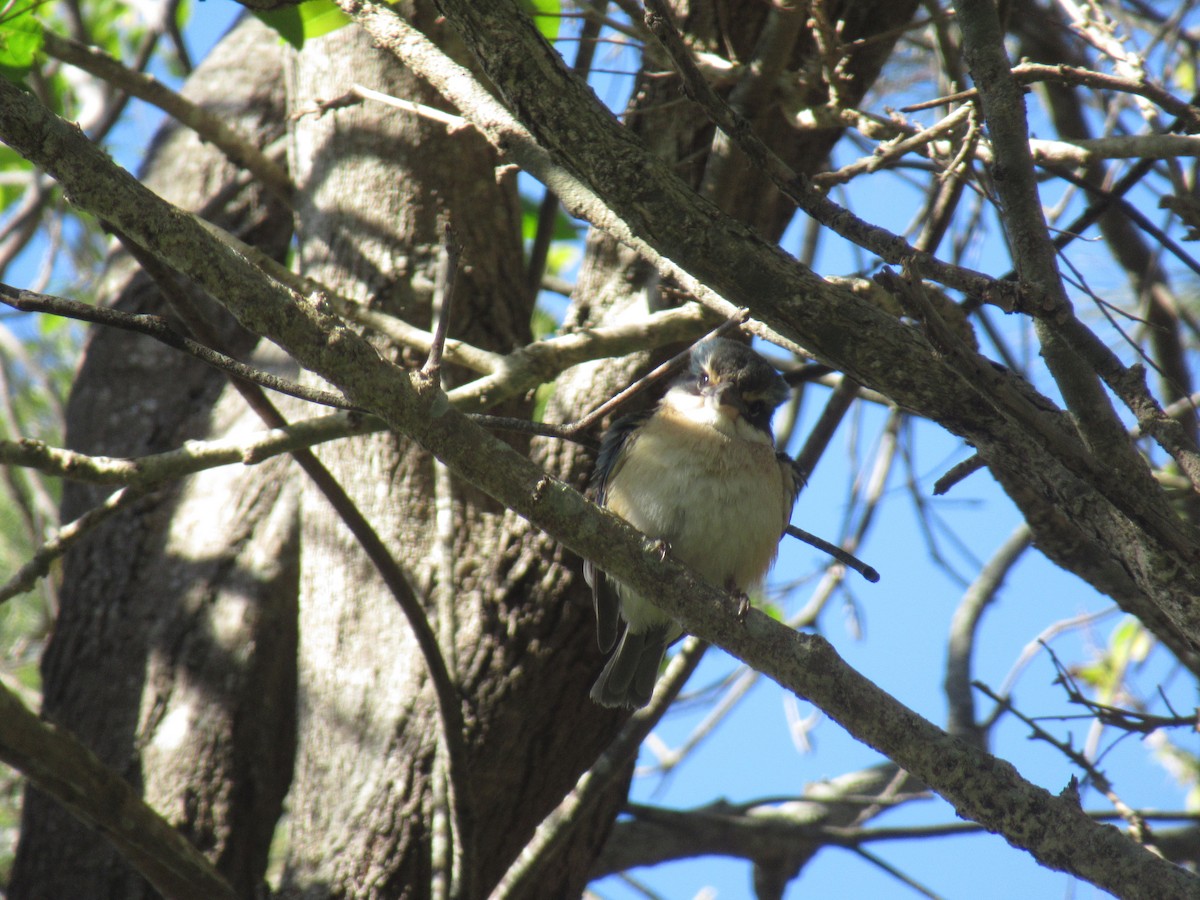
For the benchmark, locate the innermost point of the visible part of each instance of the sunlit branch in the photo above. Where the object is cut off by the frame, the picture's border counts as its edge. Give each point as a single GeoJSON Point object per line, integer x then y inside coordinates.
{"type": "Point", "coordinates": [1030, 73]}
{"type": "Point", "coordinates": [888, 151]}
{"type": "Point", "coordinates": [192, 457]}
{"type": "Point", "coordinates": [542, 361]}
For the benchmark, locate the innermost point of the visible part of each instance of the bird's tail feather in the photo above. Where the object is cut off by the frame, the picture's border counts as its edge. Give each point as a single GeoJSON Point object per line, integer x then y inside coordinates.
{"type": "Point", "coordinates": [628, 678]}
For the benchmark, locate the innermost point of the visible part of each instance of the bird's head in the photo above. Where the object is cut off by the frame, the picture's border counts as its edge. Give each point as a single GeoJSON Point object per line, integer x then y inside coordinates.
{"type": "Point", "coordinates": [730, 387]}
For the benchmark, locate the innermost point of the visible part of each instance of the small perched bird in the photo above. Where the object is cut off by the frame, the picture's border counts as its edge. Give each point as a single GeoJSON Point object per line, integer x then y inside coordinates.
{"type": "Point", "coordinates": [700, 473]}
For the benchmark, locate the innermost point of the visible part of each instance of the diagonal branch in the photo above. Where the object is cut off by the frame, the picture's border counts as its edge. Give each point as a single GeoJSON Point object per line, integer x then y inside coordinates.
{"type": "Point", "coordinates": [160, 329]}
{"type": "Point", "coordinates": [209, 126]}
{"type": "Point", "coordinates": [1003, 104]}
{"type": "Point", "coordinates": [38, 566]}
{"type": "Point", "coordinates": [56, 762]}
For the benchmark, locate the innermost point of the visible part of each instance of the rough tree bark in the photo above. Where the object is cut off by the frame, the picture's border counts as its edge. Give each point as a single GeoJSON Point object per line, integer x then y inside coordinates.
{"type": "Point", "coordinates": [373, 186]}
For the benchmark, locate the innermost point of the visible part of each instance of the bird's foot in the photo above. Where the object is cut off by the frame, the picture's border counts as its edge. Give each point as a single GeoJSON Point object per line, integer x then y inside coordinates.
{"type": "Point", "coordinates": [662, 548]}
{"type": "Point", "coordinates": [741, 601]}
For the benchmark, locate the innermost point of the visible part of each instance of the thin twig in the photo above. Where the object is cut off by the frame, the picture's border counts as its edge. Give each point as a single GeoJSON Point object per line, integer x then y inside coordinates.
{"type": "Point", "coordinates": [209, 126]}
{"type": "Point", "coordinates": [843, 556]}
{"type": "Point", "coordinates": [450, 120]}
{"type": "Point", "coordinates": [742, 679]}
{"type": "Point", "coordinates": [540, 429]}
{"type": "Point", "coordinates": [447, 278]}
{"type": "Point", "coordinates": [38, 565]}
{"type": "Point", "coordinates": [672, 365]}
{"type": "Point", "coordinates": [957, 473]}
{"type": "Point", "coordinates": [890, 151]}
{"type": "Point", "coordinates": [876, 483]}
{"type": "Point", "coordinates": [192, 457]}
{"type": "Point", "coordinates": [887, 867]}
{"type": "Point", "coordinates": [160, 329]}
{"type": "Point", "coordinates": [1030, 73]}
{"type": "Point", "coordinates": [1137, 825]}
{"type": "Point", "coordinates": [523, 875]}
{"type": "Point", "coordinates": [1127, 720]}
{"type": "Point", "coordinates": [815, 445]}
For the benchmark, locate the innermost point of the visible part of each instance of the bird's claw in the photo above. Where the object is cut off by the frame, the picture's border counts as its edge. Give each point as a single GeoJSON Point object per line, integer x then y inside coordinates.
{"type": "Point", "coordinates": [741, 601]}
{"type": "Point", "coordinates": [662, 548]}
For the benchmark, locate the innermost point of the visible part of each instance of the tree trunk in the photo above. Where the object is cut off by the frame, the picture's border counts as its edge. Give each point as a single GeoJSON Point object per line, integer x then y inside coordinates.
{"type": "Point", "coordinates": [373, 184]}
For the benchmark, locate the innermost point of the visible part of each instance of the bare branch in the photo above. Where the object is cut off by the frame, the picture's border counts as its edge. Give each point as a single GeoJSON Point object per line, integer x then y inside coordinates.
{"type": "Point", "coordinates": [886, 245]}
{"type": "Point", "coordinates": [1031, 73]}
{"type": "Point", "coordinates": [39, 564]}
{"type": "Point", "coordinates": [1137, 826]}
{"type": "Point", "coordinates": [964, 627]}
{"type": "Point", "coordinates": [192, 457]}
{"type": "Point", "coordinates": [160, 329]}
{"type": "Point", "coordinates": [843, 556]}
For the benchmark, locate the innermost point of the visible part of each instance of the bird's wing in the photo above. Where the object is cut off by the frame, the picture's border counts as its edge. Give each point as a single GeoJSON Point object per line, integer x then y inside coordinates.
{"type": "Point", "coordinates": [793, 481]}
{"type": "Point", "coordinates": [605, 601]}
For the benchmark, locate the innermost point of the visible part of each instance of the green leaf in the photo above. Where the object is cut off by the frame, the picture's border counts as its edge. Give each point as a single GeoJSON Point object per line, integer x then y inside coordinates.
{"type": "Point", "coordinates": [561, 257]}
{"type": "Point", "coordinates": [541, 399]}
{"type": "Point", "coordinates": [542, 324]}
{"type": "Point", "coordinates": [20, 39]}
{"type": "Point", "coordinates": [1185, 77]}
{"type": "Point", "coordinates": [296, 24]}
{"type": "Point", "coordinates": [12, 163]}
{"type": "Point", "coordinates": [547, 16]}
{"type": "Point", "coordinates": [773, 610]}
{"type": "Point", "coordinates": [1129, 643]}
{"type": "Point", "coordinates": [565, 228]}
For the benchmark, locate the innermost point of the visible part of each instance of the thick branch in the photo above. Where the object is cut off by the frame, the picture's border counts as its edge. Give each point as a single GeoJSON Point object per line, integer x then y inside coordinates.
{"type": "Point", "coordinates": [60, 765]}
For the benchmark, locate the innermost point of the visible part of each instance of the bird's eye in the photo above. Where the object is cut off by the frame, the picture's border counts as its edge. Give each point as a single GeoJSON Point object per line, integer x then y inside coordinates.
{"type": "Point", "coordinates": [703, 379]}
{"type": "Point", "coordinates": [757, 409]}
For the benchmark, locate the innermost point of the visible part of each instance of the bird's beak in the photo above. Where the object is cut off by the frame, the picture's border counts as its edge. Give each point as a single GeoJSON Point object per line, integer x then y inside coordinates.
{"type": "Point", "coordinates": [729, 400]}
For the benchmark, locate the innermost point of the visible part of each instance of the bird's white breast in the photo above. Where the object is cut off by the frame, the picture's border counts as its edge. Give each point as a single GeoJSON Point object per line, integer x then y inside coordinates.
{"type": "Point", "coordinates": [719, 500]}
